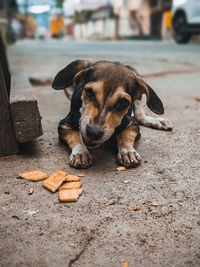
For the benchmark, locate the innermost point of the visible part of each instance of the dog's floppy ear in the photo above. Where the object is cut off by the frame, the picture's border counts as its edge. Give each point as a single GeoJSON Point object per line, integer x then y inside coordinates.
{"type": "Point", "coordinates": [65, 77]}
{"type": "Point", "coordinates": [153, 101]}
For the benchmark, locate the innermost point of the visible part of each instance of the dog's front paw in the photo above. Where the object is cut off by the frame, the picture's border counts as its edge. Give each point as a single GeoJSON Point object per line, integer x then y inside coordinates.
{"type": "Point", "coordinates": [80, 157]}
{"type": "Point", "coordinates": [128, 157]}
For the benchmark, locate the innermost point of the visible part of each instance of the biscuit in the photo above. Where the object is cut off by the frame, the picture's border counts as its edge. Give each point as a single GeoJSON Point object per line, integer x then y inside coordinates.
{"type": "Point", "coordinates": [72, 178]}
{"type": "Point", "coordinates": [108, 204]}
{"type": "Point", "coordinates": [125, 264]}
{"type": "Point", "coordinates": [70, 185]}
{"type": "Point", "coordinates": [30, 191]}
{"type": "Point", "coordinates": [136, 208]}
{"type": "Point", "coordinates": [34, 175]}
{"type": "Point", "coordinates": [54, 180]}
{"type": "Point", "coordinates": [154, 204]}
{"type": "Point", "coordinates": [69, 195]}
{"type": "Point", "coordinates": [121, 168]}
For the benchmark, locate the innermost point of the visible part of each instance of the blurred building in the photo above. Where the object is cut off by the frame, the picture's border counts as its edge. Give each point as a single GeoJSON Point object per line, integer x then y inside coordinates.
{"type": "Point", "coordinates": [141, 18]}
{"type": "Point", "coordinates": [91, 19]}
{"type": "Point", "coordinates": [108, 19]}
{"type": "Point", "coordinates": [34, 6]}
{"type": "Point", "coordinates": [36, 17]}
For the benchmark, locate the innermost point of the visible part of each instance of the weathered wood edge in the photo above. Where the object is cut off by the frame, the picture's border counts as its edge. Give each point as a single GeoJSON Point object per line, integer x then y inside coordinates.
{"type": "Point", "coordinates": [24, 109]}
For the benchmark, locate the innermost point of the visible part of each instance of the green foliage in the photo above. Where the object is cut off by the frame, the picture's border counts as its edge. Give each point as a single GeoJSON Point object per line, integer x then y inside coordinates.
{"type": "Point", "coordinates": [81, 17]}
{"type": "Point", "coordinates": [59, 3]}
{"type": "Point", "coordinates": [9, 4]}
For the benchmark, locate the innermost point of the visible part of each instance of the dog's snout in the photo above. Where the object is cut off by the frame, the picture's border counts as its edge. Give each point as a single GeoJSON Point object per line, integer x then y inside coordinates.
{"type": "Point", "coordinates": [94, 133]}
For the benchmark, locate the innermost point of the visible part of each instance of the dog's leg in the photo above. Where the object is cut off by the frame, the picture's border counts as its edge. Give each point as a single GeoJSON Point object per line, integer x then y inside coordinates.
{"type": "Point", "coordinates": [80, 156]}
{"type": "Point", "coordinates": [127, 155]}
{"type": "Point", "coordinates": [142, 118]}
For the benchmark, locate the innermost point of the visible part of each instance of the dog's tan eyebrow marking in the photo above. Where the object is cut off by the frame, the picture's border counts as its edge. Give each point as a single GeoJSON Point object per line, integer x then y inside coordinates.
{"type": "Point", "coordinates": [119, 93]}
{"type": "Point", "coordinates": [97, 88]}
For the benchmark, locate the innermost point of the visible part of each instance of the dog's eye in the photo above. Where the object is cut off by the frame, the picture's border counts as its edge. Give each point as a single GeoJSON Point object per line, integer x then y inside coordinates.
{"type": "Point", "coordinates": [122, 104]}
{"type": "Point", "coordinates": [89, 92]}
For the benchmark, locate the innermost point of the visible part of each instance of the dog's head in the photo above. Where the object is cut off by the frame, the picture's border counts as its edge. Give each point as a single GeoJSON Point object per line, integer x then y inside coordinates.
{"type": "Point", "coordinates": [107, 91]}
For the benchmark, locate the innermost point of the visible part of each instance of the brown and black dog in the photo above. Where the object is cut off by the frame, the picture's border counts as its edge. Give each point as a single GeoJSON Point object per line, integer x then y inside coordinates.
{"type": "Point", "coordinates": [106, 95]}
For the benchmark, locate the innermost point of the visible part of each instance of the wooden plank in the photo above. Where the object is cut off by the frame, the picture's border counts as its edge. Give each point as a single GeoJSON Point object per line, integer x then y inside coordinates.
{"type": "Point", "coordinates": [24, 109]}
{"type": "Point", "coordinates": [8, 143]}
{"type": "Point", "coordinates": [4, 64]}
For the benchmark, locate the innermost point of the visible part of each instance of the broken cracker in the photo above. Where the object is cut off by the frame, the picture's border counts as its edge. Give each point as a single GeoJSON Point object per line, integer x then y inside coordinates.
{"type": "Point", "coordinates": [121, 168]}
{"type": "Point", "coordinates": [70, 185]}
{"type": "Point", "coordinates": [72, 178]}
{"type": "Point", "coordinates": [136, 208]}
{"type": "Point", "coordinates": [54, 180]}
{"type": "Point", "coordinates": [30, 191]}
{"type": "Point", "coordinates": [36, 175]}
{"type": "Point", "coordinates": [108, 204]}
{"type": "Point", "coordinates": [69, 195]}
{"type": "Point", "coordinates": [154, 204]}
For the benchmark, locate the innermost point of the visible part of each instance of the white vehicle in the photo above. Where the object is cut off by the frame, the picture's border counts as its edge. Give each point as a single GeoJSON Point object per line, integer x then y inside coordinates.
{"type": "Point", "coordinates": [186, 19]}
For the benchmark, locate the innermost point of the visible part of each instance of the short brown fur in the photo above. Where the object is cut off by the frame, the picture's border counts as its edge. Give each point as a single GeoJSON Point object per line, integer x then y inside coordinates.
{"type": "Point", "coordinates": [71, 137]}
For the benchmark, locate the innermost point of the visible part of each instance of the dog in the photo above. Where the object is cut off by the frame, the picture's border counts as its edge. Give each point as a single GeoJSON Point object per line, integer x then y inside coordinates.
{"type": "Point", "coordinates": [106, 95]}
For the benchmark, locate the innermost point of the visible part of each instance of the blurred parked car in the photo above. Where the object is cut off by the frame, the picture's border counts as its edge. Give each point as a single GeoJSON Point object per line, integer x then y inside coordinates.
{"type": "Point", "coordinates": [186, 19]}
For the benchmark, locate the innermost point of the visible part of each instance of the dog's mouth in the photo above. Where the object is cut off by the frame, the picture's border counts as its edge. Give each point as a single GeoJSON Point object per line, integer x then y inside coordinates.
{"type": "Point", "coordinates": [92, 146]}
{"type": "Point", "coordinates": [88, 143]}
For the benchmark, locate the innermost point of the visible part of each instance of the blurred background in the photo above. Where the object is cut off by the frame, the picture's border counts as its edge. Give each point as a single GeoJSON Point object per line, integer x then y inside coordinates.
{"type": "Point", "coordinates": [98, 19]}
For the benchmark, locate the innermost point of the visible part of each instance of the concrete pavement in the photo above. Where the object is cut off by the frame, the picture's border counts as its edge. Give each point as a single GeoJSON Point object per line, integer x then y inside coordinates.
{"type": "Point", "coordinates": [37, 230]}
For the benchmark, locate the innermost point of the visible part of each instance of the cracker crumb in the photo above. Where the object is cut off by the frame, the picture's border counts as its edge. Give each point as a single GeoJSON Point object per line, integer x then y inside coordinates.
{"type": "Point", "coordinates": [121, 168]}
{"type": "Point", "coordinates": [30, 191]}
{"type": "Point", "coordinates": [108, 204]}
{"type": "Point", "coordinates": [136, 208]}
{"type": "Point", "coordinates": [154, 204]}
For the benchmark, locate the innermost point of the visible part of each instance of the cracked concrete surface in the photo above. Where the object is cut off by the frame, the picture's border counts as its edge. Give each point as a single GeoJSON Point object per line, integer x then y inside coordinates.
{"type": "Point", "coordinates": [37, 230]}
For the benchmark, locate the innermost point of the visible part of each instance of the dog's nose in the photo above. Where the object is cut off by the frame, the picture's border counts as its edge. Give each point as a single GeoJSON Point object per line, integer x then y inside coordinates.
{"type": "Point", "coordinates": [93, 133]}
